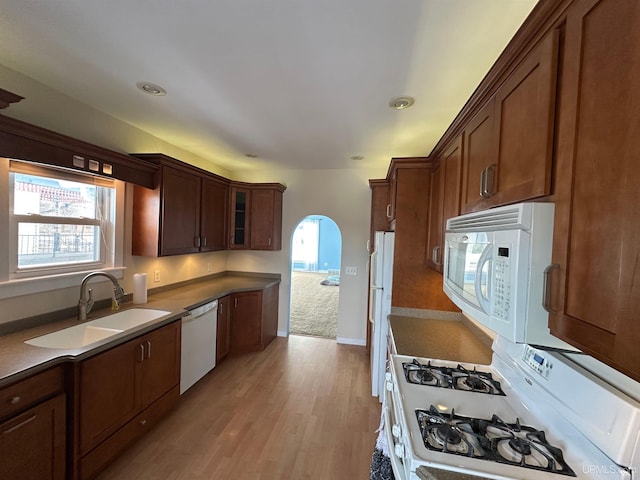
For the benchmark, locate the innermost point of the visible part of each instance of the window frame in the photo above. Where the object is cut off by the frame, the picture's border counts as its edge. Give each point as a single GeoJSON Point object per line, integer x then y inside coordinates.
{"type": "Point", "coordinates": [54, 277]}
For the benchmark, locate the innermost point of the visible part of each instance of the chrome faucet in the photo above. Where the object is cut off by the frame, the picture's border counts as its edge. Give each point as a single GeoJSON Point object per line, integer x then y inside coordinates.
{"type": "Point", "coordinates": [85, 304]}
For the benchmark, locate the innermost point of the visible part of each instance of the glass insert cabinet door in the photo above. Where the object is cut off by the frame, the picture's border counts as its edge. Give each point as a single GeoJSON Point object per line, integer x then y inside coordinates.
{"type": "Point", "coordinates": [240, 201]}
{"type": "Point", "coordinates": [468, 268]}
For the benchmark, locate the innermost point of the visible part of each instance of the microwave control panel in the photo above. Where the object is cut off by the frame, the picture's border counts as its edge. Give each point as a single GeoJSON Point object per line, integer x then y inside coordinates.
{"type": "Point", "coordinates": [502, 284]}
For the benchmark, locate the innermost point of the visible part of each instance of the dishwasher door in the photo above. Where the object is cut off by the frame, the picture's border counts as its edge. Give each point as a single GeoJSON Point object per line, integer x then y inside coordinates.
{"type": "Point", "coordinates": [198, 352]}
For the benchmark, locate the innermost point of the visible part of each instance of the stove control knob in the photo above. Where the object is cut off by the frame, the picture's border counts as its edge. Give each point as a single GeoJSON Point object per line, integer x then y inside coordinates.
{"type": "Point", "coordinates": [387, 376]}
{"type": "Point", "coordinates": [399, 450]}
{"type": "Point", "coordinates": [389, 386]}
{"type": "Point", "coordinates": [395, 430]}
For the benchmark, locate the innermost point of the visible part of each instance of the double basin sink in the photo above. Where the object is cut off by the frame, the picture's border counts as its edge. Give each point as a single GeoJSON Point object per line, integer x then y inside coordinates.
{"type": "Point", "coordinates": [85, 334]}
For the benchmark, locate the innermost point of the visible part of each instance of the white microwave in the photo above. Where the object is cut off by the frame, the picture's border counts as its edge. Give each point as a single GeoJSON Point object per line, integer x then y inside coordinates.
{"type": "Point", "coordinates": [494, 267]}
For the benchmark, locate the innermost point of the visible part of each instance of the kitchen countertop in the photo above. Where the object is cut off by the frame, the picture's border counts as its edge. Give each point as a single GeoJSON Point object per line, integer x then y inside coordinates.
{"type": "Point", "coordinates": [453, 340]}
{"type": "Point", "coordinates": [19, 360]}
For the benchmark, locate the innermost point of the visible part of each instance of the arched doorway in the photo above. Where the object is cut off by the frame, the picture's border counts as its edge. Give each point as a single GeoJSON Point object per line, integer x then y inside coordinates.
{"type": "Point", "coordinates": [316, 250]}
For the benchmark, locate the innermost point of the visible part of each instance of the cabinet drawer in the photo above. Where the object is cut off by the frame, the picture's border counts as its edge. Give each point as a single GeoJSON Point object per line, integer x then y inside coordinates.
{"type": "Point", "coordinates": [26, 393]}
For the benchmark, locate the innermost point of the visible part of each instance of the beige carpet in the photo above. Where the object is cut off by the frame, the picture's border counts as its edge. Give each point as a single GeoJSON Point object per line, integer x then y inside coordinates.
{"type": "Point", "coordinates": [314, 307]}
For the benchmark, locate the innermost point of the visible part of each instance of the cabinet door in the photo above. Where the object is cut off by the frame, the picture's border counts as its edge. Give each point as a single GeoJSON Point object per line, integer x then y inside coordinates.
{"type": "Point", "coordinates": [266, 219]}
{"type": "Point", "coordinates": [213, 224]}
{"type": "Point", "coordinates": [108, 388]}
{"type": "Point", "coordinates": [33, 443]}
{"type": "Point", "coordinates": [180, 224]}
{"type": "Point", "coordinates": [223, 336]}
{"type": "Point", "coordinates": [379, 210]}
{"type": "Point", "coordinates": [596, 294]}
{"type": "Point", "coordinates": [434, 243]}
{"type": "Point", "coordinates": [240, 204]}
{"type": "Point", "coordinates": [525, 112]}
{"type": "Point", "coordinates": [393, 193]}
{"type": "Point", "coordinates": [480, 152]}
{"type": "Point", "coordinates": [246, 321]}
{"type": "Point", "coordinates": [452, 166]}
{"type": "Point", "coordinates": [161, 362]}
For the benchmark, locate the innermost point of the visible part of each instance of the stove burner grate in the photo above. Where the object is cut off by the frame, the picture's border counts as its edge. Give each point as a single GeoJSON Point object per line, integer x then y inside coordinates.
{"type": "Point", "coordinates": [493, 440]}
{"type": "Point", "coordinates": [458, 378]}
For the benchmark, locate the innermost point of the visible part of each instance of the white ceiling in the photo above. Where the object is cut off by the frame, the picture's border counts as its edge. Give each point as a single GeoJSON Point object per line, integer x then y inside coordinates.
{"type": "Point", "coordinates": [300, 83]}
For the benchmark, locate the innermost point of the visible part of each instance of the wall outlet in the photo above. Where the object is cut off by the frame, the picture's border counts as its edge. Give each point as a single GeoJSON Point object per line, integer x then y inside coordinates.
{"type": "Point", "coordinates": [156, 276]}
{"type": "Point", "coordinates": [351, 270]}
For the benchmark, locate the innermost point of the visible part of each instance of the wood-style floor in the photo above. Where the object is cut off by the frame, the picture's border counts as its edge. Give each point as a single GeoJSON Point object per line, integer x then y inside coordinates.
{"type": "Point", "coordinates": [302, 409]}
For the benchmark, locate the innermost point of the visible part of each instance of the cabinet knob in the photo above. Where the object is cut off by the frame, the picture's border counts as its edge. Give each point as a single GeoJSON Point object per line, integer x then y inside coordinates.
{"type": "Point", "coordinates": [15, 400]}
{"type": "Point", "coordinates": [143, 422]}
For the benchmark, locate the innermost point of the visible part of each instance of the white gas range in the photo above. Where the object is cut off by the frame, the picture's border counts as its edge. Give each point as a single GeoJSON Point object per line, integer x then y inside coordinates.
{"type": "Point", "coordinates": [531, 414]}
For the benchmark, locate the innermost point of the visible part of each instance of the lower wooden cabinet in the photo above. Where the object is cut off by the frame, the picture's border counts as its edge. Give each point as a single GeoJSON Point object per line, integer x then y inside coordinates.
{"type": "Point", "coordinates": [254, 319]}
{"type": "Point", "coordinates": [223, 335]}
{"type": "Point", "coordinates": [122, 393]}
{"type": "Point", "coordinates": [33, 429]}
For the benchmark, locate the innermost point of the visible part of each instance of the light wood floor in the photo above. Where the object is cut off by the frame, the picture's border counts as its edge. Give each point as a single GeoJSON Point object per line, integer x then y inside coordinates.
{"type": "Point", "coordinates": [302, 409]}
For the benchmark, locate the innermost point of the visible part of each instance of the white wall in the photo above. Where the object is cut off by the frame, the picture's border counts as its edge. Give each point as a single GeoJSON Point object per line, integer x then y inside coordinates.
{"type": "Point", "coordinates": [343, 195]}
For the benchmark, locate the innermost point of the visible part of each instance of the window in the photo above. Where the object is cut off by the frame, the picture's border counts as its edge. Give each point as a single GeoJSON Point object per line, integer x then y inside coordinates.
{"type": "Point", "coordinates": [60, 221]}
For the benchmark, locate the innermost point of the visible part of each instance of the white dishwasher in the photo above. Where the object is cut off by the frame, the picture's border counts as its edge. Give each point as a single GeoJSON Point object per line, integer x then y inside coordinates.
{"type": "Point", "coordinates": [198, 352]}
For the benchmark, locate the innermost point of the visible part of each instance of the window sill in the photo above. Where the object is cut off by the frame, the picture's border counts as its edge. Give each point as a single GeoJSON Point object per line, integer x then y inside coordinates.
{"type": "Point", "coordinates": [28, 286]}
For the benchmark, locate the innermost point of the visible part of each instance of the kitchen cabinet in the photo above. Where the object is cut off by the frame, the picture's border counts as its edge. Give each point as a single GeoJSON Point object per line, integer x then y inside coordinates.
{"type": "Point", "coordinates": [393, 192]}
{"type": "Point", "coordinates": [445, 200]}
{"type": "Point", "coordinates": [415, 285]}
{"type": "Point", "coordinates": [33, 428]}
{"type": "Point", "coordinates": [594, 295]}
{"type": "Point", "coordinates": [509, 144]}
{"type": "Point", "coordinates": [223, 334]}
{"type": "Point", "coordinates": [185, 213]}
{"type": "Point", "coordinates": [240, 216]}
{"type": "Point", "coordinates": [379, 203]}
{"type": "Point", "coordinates": [254, 319]}
{"type": "Point", "coordinates": [256, 216]}
{"type": "Point", "coordinates": [123, 392]}
{"type": "Point", "coordinates": [266, 218]}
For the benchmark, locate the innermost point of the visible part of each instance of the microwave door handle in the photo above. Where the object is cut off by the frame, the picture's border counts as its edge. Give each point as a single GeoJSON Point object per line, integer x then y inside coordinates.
{"type": "Point", "coordinates": [484, 258]}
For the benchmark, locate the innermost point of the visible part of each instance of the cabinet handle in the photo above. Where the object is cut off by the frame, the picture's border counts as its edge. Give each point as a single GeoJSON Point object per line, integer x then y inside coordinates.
{"type": "Point", "coordinates": [220, 306]}
{"type": "Point", "coordinates": [148, 349]}
{"type": "Point", "coordinates": [204, 241]}
{"type": "Point", "coordinates": [20, 425]}
{"type": "Point", "coordinates": [388, 210]}
{"type": "Point", "coordinates": [141, 353]}
{"type": "Point", "coordinates": [15, 400]}
{"type": "Point", "coordinates": [483, 182]}
{"type": "Point", "coordinates": [235, 303]}
{"type": "Point", "coordinates": [143, 422]}
{"type": "Point", "coordinates": [435, 255]}
{"type": "Point", "coordinates": [269, 241]}
{"type": "Point", "coordinates": [546, 287]}
{"type": "Point", "coordinates": [490, 183]}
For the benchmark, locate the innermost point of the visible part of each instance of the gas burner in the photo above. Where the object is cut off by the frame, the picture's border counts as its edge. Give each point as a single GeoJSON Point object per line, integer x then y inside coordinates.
{"type": "Point", "coordinates": [458, 378]}
{"type": "Point", "coordinates": [450, 435]}
{"type": "Point", "coordinates": [421, 374]}
{"type": "Point", "coordinates": [493, 440]}
{"type": "Point", "coordinates": [516, 444]}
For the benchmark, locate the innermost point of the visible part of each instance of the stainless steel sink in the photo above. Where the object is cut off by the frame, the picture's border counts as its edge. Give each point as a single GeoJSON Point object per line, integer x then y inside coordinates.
{"type": "Point", "coordinates": [85, 334]}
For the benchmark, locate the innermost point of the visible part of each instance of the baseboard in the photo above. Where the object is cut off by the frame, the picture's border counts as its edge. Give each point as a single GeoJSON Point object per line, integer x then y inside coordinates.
{"type": "Point", "coordinates": [352, 341]}
{"type": "Point", "coordinates": [283, 333]}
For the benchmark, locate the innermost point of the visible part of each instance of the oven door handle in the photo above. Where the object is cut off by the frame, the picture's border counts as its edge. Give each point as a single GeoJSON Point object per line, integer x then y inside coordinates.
{"type": "Point", "coordinates": [396, 464]}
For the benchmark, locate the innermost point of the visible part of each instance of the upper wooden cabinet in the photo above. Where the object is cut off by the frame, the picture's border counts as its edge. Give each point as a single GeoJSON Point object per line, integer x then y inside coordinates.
{"type": "Point", "coordinates": [445, 200]}
{"type": "Point", "coordinates": [379, 204]}
{"type": "Point", "coordinates": [595, 291]}
{"type": "Point", "coordinates": [185, 213]}
{"type": "Point", "coordinates": [256, 216]}
{"type": "Point", "coordinates": [509, 144]}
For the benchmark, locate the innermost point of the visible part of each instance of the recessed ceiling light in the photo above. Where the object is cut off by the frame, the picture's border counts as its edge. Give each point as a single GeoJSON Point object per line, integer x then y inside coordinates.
{"type": "Point", "coordinates": [251, 155]}
{"type": "Point", "coordinates": [151, 88]}
{"type": "Point", "coordinates": [400, 103]}
{"type": "Point", "coordinates": [357, 157]}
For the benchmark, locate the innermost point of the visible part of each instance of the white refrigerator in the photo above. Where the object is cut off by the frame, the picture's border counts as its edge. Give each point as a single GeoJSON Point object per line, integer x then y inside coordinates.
{"type": "Point", "coordinates": [381, 281]}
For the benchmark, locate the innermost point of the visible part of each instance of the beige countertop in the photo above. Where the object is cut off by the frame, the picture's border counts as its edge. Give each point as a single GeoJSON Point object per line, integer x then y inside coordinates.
{"type": "Point", "coordinates": [453, 340]}
{"type": "Point", "coordinates": [19, 360]}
